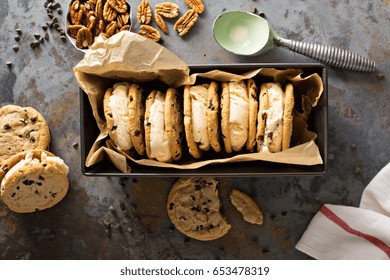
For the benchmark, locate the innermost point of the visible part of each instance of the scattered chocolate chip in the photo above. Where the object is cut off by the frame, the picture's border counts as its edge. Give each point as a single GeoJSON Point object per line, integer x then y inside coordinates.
{"type": "Point", "coordinates": [37, 35]}
{"type": "Point", "coordinates": [49, 24]}
{"type": "Point", "coordinates": [265, 250]}
{"type": "Point", "coordinates": [41, 40]}
{"type": "Point", "coordinates": [44, 27]}
{"type": "Point", "coordinates": [186, 239]}
{"type": "Point", "coordinates": [283, 213]}
{"type": "Point", "coordinates": [54, 20]}
{"type": "Point", "coordinates": [49, 6]}
{"type": "Point", "coordinates": [380, 76]}
{"type": "Point", "coordinates": [357, 170]}
{"type": "Point", "coordinates": [59, 11]}
{"type": "Point", "coordinates": [62, 32]}
{"type": "Point", "coordinates": [36, 44]}
{"type": "Point", "coordinates": [75, 144]}
{"type": "Point", "coordinates": [254, 10]}
{"type": "Point", "coordinates": [46, 36]}
{"type": "Point", "coordinates": [63, 38]}
{"type": "Point", "coordinates": [262, 14]}
{"type": "Point", "coordinates": [17, 38]}
{"type": "Point", "coordinates": [353, 147]}
{"type": "Point", "coordinates": [50, 15]}
{"type": "Point", "coordinates": [111, 208]}
{"type": "Point", "coordinates": [108, 233]}
{"type": "Point", "coordinates": [19, 31]}
{"type": "Point", "coordinates": [45, 4]}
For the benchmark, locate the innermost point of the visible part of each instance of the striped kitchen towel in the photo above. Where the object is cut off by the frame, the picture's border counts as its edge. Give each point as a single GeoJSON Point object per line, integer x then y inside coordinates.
{"type": "Point", "coordinates": [351, 233]}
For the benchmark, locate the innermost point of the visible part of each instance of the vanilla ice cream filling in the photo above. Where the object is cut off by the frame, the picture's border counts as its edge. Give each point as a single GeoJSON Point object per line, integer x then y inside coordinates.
{"type": "Point", "coordinates": [159, 145]}
{"type": "Point", "coordinates": [274, 125]}
{"type": "Point", "coordinates": [119, 104]}
{"type": "Point", "coordinates": [239, 115]}
{"type": "Point", "coordinates": [199, 116]}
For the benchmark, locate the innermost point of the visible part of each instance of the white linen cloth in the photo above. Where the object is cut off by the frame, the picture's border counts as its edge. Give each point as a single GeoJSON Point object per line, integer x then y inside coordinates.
{"type": "Point", "coordinates": [352, 233]}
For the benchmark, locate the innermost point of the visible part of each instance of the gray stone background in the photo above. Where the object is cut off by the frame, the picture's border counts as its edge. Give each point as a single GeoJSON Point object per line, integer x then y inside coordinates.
{"type": "Point", "coordinates": [134, 208]}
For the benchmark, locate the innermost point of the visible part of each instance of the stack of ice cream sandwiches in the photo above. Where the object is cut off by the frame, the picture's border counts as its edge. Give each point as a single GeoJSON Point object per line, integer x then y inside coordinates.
{"type": "Point", "coordinates": [228, 116]}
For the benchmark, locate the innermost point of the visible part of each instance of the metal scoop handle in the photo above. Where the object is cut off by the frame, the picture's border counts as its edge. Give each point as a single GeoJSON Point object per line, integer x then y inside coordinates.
{"type": "Point", "coordinates": [330, 55]}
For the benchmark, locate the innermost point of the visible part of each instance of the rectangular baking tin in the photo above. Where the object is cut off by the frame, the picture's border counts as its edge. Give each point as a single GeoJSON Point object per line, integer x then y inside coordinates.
{"type": "Point", "coordinates": [318, 122]}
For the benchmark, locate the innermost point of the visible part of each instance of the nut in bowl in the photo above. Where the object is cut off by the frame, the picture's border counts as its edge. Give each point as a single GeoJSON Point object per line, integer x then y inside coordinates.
{"type": "Point", "coordinates": [87, 19]}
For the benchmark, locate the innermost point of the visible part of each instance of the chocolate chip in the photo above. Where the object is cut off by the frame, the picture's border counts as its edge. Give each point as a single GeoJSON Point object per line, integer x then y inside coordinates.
{"type": "Point", "coordinates": [28, 182]}
{"type": "Point", "coordinates": [265, 250]}
{"type": "Point", "coordinates": [5, 168]}
{"type": "Point", "coordinates": [380, 76]}
{"type": "Point", "coordinates": [53, 195]}
{"type": "Point", "coordinates": [7, 126]}
{"type": "Point", "coordinates": [45, 4]}
{"type": "Point", "coordinates": [55, 25]}
{"type": "Point", "coordinates": [353, 147]}
{"type": "Point", "coordinates": [49, 6]}
{"type": "Point", "coordinates": [17, 38]}
{"type": "Point", "coordinates": [13, 194]}
{"type": "Point", "coordinates": [284, 213]}
{"type": "Point", "coordinates": [32, 139]}
{"type": "Point", "coordinates": [206, 210]}
{"type": "Point", "coordinates": [63, 38]}
{"type": "Point", "coordinates": [41, 178]}
{"type": "Point", "coordinates": [17, 187]}
{"type": "Point", "coordinates": [39, 184]}
{"type": "Point", "coordinates": [19, 31]}
{"type": "Point", "coordinates": [171, 206]}
{"type": "Point", "coordinates": [137, 132]}
{"type": "Point", "coordinates": [37, 35]}
{"type": "Point", "coordinates": [46, 36]}
{"type": "Point", "coordinates": [357, 170]}
{"type": "Point", "coordinates": [33, 119]}
{"type": "Point", "coordinates": [9, 64]}
{"type": "Point", "coordinates": [36, 192]}
{"type": "Point", "coordinates": [113, 127]}
{"type": "Point", "coordinates": [59, 11]}
{"type": "Point", "coordinates": [131, 99]}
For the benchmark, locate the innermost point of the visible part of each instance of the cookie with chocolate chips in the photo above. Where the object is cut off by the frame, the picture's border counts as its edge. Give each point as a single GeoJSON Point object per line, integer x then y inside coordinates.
{"type": "Point", "coordinates": [173, 116]}
{"type": "Point", "coordinates": [193, 206]}
{"type": "Point", "coordinates": [136, 116]}
{"type": "Point", "coordinates": [33, 180]}
{"type": "Point", "coordinates": [213, 116]}
{"type": "Point", "coordinates": [21, 129]}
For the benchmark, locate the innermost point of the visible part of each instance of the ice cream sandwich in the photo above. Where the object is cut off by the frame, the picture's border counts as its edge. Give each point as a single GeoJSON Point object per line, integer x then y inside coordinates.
{"type": "Point", "coordinates": [238, 115]}
{"type": "Point", "coordinates": [124, 112]}
{"type": "Point", "coordinates": [274, 127]}
{"type": "Point", "coordinates": [163, 126]}
{"type": "Point", "coordinates": [201, 110]}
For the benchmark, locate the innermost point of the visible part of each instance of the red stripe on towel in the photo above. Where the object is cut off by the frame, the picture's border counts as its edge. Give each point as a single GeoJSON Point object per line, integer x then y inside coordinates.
{"type": "Point", "coordinates": [338, 221]}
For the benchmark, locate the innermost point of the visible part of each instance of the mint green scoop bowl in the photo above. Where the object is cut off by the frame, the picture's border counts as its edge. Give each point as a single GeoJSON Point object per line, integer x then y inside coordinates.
{"type": "Point", "coordinates": [247, 34]}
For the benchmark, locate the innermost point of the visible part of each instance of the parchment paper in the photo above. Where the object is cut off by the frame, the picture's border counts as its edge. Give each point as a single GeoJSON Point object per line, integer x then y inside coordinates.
{"type": "Point", "coordinates": [128, 56]}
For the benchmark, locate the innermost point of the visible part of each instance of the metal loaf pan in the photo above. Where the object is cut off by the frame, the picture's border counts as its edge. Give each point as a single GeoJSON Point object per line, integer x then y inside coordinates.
{"type": "Point", "coordinates": [318, 122]}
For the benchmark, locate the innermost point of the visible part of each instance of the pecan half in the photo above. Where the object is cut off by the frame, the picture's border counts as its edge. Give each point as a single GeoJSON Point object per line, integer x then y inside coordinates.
{"type": "Point", "coordinates": [160, 23]}
{"type": "Point", "coordinates": [149, 32]}
{"type": "Point", "coordinates": [111, 28]}
{"type": "Point", "coordinates": [196, 5]}
{"type": "Point", "coordinates": [144, 12]}
{"type": "Point", "coordinates": [99, 9]}
{"type": "Point", "coordinates": [84, 38]}
{"type": "Point", "coordinates": [102, 26]}
{"type": "Point", "coordinates": [125, 27]}
{"type": "Point", "coordinates": [76, 12]}
{"type": "Point", "coordinates": [122, 19]}
{"type": "Point", "coordinates": [167, 9]}
{"type": "Point", "coordinates": [186, 22]}
{"type": "Point", "coordinates": [109, 14]}
{"type": "Point", "coordinates": [118, 5]}
{"type": "Point", "coordinates": [73, 29]}
{"type": "Point", "coordinates": [91, 22]}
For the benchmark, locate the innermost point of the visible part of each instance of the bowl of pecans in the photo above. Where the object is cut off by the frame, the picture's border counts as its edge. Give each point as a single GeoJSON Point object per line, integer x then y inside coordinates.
{"type": "Point", "coordinates": [87, 19]}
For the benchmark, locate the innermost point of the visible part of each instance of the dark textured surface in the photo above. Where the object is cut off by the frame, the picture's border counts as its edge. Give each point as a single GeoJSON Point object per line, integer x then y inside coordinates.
{"type": "Point", "coordinates": [83, 226]}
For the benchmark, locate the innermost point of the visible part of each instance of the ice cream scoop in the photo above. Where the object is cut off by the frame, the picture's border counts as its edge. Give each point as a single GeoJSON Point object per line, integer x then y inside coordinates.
{"type": "Point", "coordinates": [245, 33]}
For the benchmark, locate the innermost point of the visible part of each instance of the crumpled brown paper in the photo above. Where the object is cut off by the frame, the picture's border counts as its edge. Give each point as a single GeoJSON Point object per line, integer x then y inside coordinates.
{"type": "Point", "coordinates": [128, 56]}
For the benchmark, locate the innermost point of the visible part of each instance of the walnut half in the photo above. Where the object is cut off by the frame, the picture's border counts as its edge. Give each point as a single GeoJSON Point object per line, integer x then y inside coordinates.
{"type": "Point", "coordinates": [186, 22]}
